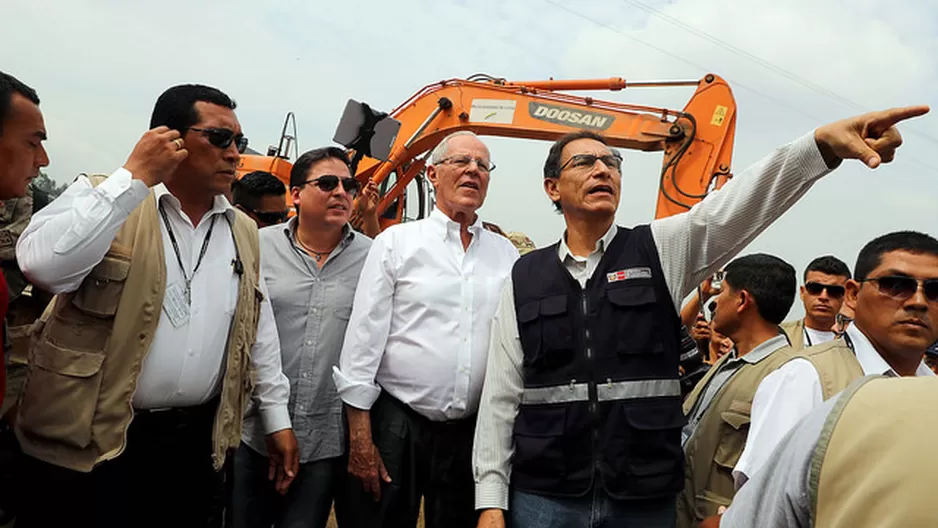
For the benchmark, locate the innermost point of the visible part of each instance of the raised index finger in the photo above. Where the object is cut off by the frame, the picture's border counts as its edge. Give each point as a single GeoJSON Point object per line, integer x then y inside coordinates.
{"type": "Point", "coordinates": [881, 121]}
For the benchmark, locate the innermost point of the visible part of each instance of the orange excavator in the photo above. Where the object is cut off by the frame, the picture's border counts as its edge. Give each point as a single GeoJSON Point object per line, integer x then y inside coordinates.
{"type": "Point", "coordinates": [697, 141]}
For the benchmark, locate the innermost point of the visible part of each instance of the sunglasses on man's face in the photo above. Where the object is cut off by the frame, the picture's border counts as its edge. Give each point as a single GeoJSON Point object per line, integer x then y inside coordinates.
{"type": "Point", "coordinates": [902, 288]}
{"type": "Point", "coordinates": [223, 138]}
{"type": "Point", "coordinates": [833, 290]}
{"type": "Point", "coordinates": [270, 218]}
{"type": "Point", "coordinates": [328, 183]}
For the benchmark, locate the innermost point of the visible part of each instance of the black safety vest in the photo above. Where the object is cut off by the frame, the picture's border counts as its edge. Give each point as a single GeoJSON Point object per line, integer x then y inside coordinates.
{"type": "Point", "coordinates": [601, 390]}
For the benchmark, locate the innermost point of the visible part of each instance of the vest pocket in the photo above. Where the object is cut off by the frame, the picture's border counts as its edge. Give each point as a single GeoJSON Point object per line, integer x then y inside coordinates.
{"type": "Point", "coordinates": [733, 432]}
{"type": "Point", "coordinates": [100, 292]}
{"type": "Point", "coordinates": [652, 447]}
{"type": "Point", "coordinates": [546, 333]}
{"type": "Point", "coordinates": [632, 308]}
{"type": "Point", "coordinates": [539, 446]}
{"type": "Point", "coordinates": [60, 394]}
{"type": "Point", "coordinates": [707, 503]}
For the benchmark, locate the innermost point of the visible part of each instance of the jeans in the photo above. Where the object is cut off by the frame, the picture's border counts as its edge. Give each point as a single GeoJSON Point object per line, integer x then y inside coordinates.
{"type": "Point", "coordinates": [594, 510]}
{"type": "Point", "coordinates": [256, 504]}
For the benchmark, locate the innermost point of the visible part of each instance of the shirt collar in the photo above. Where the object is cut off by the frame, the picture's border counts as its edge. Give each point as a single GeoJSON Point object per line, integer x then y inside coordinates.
{"type": "Point", "coordinates": [765, 348]}
{"type": "Point", "coordinates": [563, 251]}
{"type": "Point", "coordinates": [450, 227]}
{"type": "Point", "coordinates": [219, 205]}
{"type": "Point", "coordinates": [871, 361]}
{"type": "Point", "coordinates": [289, 228]}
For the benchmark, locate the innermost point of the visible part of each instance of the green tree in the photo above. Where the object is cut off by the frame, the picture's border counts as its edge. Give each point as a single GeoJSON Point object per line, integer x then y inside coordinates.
{"type": "Point", "coordinates": [47, 185]}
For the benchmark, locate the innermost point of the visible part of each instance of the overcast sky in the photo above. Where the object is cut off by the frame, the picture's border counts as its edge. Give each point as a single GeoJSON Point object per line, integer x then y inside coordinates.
{"type": "Point", "coordinates": [99, 66]}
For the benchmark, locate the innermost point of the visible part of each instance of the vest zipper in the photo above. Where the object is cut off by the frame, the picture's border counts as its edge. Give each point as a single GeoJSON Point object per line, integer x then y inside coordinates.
{"type": "Point", "coordinates": [591, 382]}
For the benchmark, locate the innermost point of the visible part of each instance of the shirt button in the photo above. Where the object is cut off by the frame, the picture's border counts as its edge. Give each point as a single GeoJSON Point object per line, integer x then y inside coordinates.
{"type": "Point", "coordinates": [309, 342]}
{"type": "Point", "coordinates": [315, 310]}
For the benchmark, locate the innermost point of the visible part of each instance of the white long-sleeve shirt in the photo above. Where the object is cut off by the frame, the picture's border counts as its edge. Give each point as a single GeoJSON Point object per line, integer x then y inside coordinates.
{"type": "Point", "coordinates": [422, 317]}
{"type": "Point", "coordinates": [184, 365]}
{"type": "Point", "coordinates": [787, 395]}
{"type": "Point", "coordinates": [690, 245]}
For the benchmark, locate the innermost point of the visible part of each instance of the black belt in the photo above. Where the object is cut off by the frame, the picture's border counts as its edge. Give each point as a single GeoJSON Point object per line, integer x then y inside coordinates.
{"type": "Point", "coordinates": [423, 419]}
{"type": "Point", "coordinates": [180, 413]}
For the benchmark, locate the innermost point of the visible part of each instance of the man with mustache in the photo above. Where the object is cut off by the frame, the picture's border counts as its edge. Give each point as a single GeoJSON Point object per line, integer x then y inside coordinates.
{"type": "Point", "coordinates": [822, 294]}
{"type": "Point", "coordinates": [895, 299]}
{"type": "Point", "coordinates": [160, 334]}
{"type": "Point", "coordinates": [414, 354]}
{"type": "Point", "coordinates": [581, 418]}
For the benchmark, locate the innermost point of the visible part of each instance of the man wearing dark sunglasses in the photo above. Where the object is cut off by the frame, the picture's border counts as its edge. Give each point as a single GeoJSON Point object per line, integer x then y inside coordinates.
{"type": "Point", "coordinates": [895, 299]}
{"type": "Point", "coordinates": [311, 265]}
{"type": "Point", "coordinates": [581, 410]}
{"type": "Point", "coordinates": [161, 335]}
{"type": "Point", "coordinates": [822, 294]}
{"type": "Point", "coordinates": [262, 196]}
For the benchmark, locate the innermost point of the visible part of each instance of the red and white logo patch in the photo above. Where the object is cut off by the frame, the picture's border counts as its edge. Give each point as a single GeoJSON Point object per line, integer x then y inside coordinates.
{"type": "Point", "coordinates": [628, 274]}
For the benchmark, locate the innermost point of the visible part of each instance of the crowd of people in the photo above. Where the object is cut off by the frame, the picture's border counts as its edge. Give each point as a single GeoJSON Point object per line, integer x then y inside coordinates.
{"type": "Point", "coordinates": [210, 360]}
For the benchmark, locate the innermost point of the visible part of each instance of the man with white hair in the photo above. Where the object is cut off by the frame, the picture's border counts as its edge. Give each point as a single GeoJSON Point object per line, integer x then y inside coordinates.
{"type": "Point", "coordinates": [415, 351]}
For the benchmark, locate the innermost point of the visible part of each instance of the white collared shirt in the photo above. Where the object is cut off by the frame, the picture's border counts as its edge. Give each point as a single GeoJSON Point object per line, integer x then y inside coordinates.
{"type": "Point", "coordinates": [787, 395]}
{"type": "Point", "coordinates": [582, 268]}
{"type": "Point", "coordinates": [184, 365]}
{"type": "Point", "coordinates": [421, 317]}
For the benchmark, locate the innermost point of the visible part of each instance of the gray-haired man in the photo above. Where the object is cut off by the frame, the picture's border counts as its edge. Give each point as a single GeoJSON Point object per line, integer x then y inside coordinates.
{"type": "Point", "coordinates": [415, 351]}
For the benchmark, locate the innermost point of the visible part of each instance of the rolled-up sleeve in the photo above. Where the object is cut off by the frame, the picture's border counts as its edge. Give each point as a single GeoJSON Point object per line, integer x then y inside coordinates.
{"type": "Point", "coordinates": [694, 244]}
{"type": "Point", "coordinates": [272, 392]}
{"type": "Point", "coordinates": [368, 328]}
{"type": "Point", "coordinates": [502, 390]}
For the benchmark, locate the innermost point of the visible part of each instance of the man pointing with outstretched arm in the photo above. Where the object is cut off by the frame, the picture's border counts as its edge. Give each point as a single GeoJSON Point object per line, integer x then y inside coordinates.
{"type": "Point", "coordinates": [581, 406]}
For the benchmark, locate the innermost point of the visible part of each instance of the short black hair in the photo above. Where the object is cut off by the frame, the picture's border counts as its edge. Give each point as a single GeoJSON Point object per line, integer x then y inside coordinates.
{"type": "Point", "coordinates": [552, 163]}
{"type": "Point", "coordinates": [175, 108]}
{"type": "Point", "coordinates": [872, 253]}
{"type": "Point", "coordinates": [770, 280]}
{"type": "Point", "coordinates": [829, 265]}
{"type": "Point", "coordinates": [248, 191]}
{"type": "Point", "coordinates": [308, 159]}
{"type": "Point", "coordinates": [10, 85]}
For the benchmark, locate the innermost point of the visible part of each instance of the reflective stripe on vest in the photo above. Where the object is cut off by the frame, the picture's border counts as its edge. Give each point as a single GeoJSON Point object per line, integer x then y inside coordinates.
{"type": "Point", "coordinates": [620, 390]}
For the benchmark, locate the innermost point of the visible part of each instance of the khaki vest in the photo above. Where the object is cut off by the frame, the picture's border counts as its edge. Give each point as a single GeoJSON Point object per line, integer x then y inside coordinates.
{"type": "Point", "coordinates": [868, 471]}
{"type": "Point", "coordinates": [713, 451]}
{"type": "Point", "coordinates": [836, 365]}
{"type": "Point", "coordinates": [795, 332]}
{"type": "Point", "coordinates": [84, 363]}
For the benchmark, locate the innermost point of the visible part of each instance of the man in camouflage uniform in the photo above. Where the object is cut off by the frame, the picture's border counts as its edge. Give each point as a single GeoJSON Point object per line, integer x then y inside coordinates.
{"type": "Point", "coordinates": [26, 303]}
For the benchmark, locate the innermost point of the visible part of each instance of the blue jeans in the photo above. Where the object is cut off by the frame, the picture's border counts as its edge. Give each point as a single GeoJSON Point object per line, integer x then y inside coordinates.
{"type": "Point", "coordinates": [255, 503]}
{"type": "Point", "coordinates": [594, 510]}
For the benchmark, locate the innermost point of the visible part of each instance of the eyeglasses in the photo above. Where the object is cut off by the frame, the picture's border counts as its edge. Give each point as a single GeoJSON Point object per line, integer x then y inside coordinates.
{"type": "Point", "coordinates": [271, 217]}
{"type": "Point", "coordinates": [223, 138]}
{"type": "Point", "coordinates": [815, 288]}
{"type": "Point", "coordinates": [842, 320]}
{"type": "Point", "coordinates": [329, 182]}
{"type": "Point", "coordinates": [461, 162]}
{"type": "Point", "coordinates": [900, 287]}
{"type": "Point", "coordinates": [586, 161]}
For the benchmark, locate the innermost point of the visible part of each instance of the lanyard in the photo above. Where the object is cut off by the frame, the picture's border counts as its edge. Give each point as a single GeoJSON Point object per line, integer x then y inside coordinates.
{"type": "Point", "coordinates": [807, 337]}
{"type": "Point", "coordinates": [172, 238]}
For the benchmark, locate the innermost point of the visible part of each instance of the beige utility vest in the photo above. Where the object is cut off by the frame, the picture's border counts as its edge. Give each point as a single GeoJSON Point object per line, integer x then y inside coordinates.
{"type": "Point", "coordinates": [90, 344]}
{"type": "Point", "coordinates": [795, 332]}
{"type": "Point", "coordinates": [718, 441]}
{"type": "Point", "coordinates": [836, 365]}
{"type": "Point", "coordinates": [873, 465]}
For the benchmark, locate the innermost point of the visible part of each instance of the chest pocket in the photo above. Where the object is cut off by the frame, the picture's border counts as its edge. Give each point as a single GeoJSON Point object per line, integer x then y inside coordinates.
{"type": "Point", "coordinates": [546, 332]}
{"type": "Point", "coordinates": [632, 312]}
{"type": "Point", "coordinates": [734, 429]}
{"type": "Point", "coordinates": [100, 293]}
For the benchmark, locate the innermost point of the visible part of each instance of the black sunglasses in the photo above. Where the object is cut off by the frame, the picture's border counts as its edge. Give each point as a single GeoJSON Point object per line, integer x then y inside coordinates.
{"type": "Point", "coordinates": [270, 218]}
{"type": "Point", "coordinates": [815, 288]}
{"type": "Point", "coordinates": [223, 138]}
{"type": "Point", "coordinates": [902, 288]}
{"type": "Point", "coordinates": [586, 161]}
{"type": "Point", "coordinates": [329, 182]}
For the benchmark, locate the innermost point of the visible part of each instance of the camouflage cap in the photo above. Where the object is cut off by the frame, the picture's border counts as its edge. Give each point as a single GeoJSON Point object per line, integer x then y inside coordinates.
{"type": "Point", "coordinates": [522, 242]}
